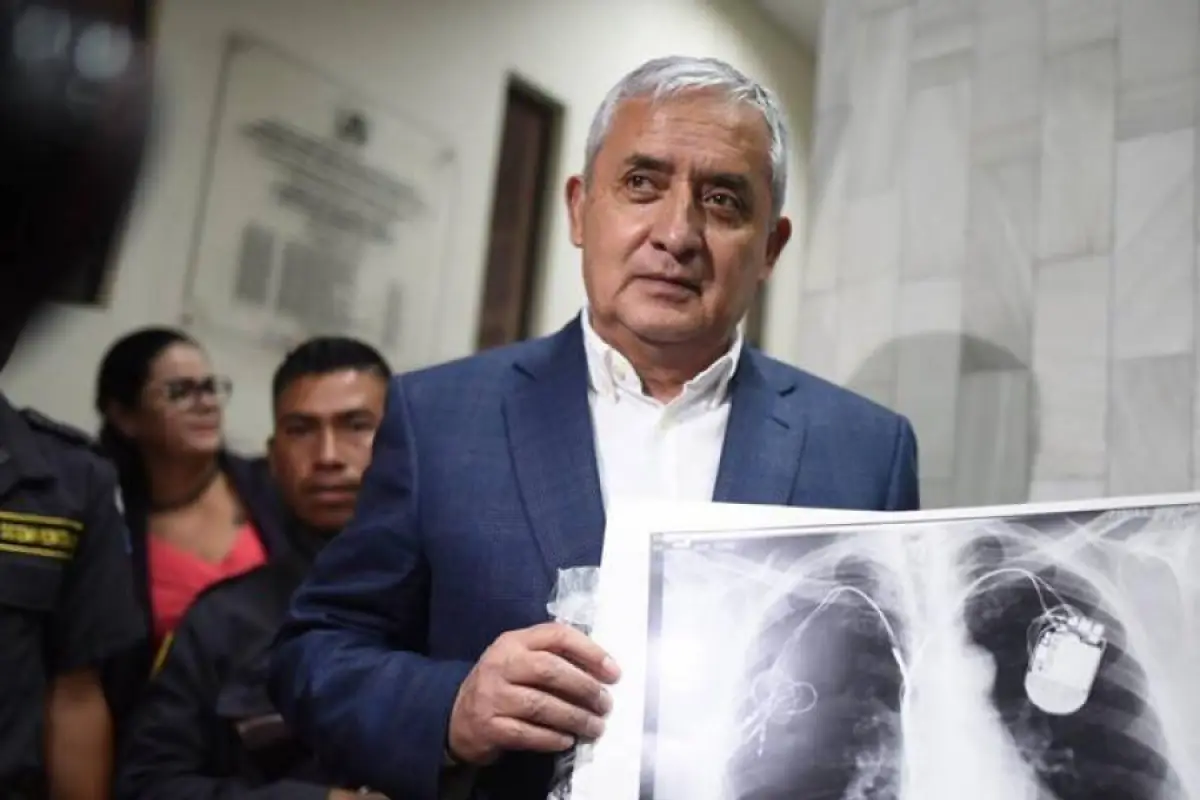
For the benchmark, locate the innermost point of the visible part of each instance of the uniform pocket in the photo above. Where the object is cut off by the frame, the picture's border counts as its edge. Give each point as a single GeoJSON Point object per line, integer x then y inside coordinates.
{"type": "Point", "coordinates": [29, 583]}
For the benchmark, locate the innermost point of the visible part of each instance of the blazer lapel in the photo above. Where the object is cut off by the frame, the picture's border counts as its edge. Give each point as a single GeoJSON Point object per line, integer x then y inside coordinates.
{"type": "Point", "coordinates": [553, 450]}
{"type": "Point", "coordinates": [763, 440]}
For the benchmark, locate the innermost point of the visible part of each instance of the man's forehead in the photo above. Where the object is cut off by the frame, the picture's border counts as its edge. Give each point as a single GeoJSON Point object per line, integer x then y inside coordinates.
{"type": "Point", "coordinates": [331, 393]}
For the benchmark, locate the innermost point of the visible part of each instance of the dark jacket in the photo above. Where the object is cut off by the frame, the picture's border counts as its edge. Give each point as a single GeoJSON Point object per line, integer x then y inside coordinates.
{"type": "Point", "coordinates": [205, 728]}
{"type": "Point", "coordinates": [65, 598]}
{"type": "Point", "coordinates": [126, 675]}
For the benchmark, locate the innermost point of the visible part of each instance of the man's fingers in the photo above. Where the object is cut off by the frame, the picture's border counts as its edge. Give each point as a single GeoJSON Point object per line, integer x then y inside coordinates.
{"type": "Point", "coordinates": [552, 673]}
{"type": "Point", "coordinates": [515, 734]}
{"type": "Point", "coordinates": [576, 647]}
{"type": "Point", "coordinates": [547, 711]}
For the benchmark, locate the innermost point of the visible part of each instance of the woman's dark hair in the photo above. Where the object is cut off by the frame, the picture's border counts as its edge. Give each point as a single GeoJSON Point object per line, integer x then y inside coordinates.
{"type": "Point", "coordinates": [123, 374]}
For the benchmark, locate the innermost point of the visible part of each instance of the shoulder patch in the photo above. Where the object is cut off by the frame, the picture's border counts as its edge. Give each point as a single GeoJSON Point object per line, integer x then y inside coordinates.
{"type": "Point", "coordinates": [62, 430]}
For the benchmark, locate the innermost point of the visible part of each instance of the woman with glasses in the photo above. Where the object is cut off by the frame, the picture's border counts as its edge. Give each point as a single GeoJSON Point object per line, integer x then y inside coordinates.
{"type": "Point", "coordinates": [196, 513]}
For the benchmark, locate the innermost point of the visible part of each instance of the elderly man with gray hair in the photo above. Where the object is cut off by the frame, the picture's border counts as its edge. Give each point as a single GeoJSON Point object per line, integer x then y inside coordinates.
{"type": "Point", "coordinates": [421, 642]}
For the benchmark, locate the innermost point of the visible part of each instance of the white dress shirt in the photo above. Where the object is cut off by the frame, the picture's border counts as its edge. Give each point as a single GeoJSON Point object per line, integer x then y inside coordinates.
{"type": "Point", "coordinates": [650, 450]}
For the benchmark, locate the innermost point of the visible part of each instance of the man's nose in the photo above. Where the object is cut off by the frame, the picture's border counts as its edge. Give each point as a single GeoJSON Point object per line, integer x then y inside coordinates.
{"type": "Point", "coordinates": [328, 454]}
{"type": "Point", "coordinates": [679, 225]}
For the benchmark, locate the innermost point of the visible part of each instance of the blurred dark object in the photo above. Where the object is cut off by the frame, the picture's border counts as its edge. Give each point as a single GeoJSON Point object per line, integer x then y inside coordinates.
{"type": "Point", "coordinates": [74, 114]}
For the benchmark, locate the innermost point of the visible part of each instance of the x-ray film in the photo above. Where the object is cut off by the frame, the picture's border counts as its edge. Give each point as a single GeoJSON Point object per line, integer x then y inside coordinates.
{"type": "Point", "coordinates": [1026, 653]}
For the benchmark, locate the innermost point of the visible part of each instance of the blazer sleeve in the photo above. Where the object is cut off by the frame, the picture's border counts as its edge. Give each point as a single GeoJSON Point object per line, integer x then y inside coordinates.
{"type": "Point", "coordinates": [170, 750]}
{"type": "Point", "coordinates": [348, 671]}
{"type": "Point", "coordinates": [904, 490]}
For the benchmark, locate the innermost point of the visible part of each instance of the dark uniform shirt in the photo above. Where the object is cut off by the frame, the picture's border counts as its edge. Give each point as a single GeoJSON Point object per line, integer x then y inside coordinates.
{"type": "Point", "coordinates": [205, 727]}
{"type": "Point", "coordinates": [66, 596]}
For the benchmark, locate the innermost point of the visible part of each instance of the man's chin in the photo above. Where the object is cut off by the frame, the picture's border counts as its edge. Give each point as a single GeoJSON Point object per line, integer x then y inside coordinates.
{"type": "Point", "coordinates": [327, 519]}
{"type": "Point", "coordinates": [665, 333]}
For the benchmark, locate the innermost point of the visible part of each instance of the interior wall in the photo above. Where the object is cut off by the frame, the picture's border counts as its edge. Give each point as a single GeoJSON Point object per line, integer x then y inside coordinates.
{"type": "Point", "coordinates": [1004, 238]}
{"type": "Point", "coordinates": [444, 63]}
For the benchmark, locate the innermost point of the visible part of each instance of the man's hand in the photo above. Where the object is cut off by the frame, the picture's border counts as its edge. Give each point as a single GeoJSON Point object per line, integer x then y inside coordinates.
{"type": "Point", "coordinates": [534, 689]}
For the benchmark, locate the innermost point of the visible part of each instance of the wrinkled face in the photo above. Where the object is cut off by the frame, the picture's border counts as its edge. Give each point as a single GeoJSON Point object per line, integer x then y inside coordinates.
{"type": "Point", "coordinates": [675, 220]}
{"type": "Point", "coordinates": [179, 411]}
{"type": "Point", "coordinates": [324, 428]}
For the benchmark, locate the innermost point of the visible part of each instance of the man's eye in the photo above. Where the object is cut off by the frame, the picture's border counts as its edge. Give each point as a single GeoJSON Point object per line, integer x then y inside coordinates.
{"type": "Point", "coordinates": [639, 183]}
{"type": "Point", "coordinates": [725, 200]}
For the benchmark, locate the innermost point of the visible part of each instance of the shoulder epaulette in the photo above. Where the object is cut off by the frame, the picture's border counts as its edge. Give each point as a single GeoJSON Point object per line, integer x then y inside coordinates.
{"type": "Point", "coordinates": [62, 430]}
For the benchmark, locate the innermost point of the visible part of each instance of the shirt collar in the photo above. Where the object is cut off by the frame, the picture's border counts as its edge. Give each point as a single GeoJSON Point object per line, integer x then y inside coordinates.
{"type": "Point", "coordinates": [610, 373]}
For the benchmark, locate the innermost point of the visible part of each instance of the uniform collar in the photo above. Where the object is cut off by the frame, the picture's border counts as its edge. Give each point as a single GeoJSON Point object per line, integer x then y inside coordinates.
{"type": "Point", "coordinates": [610, 373]}
{"type": "Point", "coordinates": [19, 446]}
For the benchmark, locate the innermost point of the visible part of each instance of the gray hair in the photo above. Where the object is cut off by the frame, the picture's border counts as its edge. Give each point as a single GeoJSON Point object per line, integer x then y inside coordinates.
{"type": "Point", "coordinates": [671, 75]}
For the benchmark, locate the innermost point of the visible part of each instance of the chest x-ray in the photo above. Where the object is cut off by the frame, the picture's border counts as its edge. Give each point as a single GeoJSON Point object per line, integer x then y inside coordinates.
{"type": "Point", "coordinates": [1039, 656]}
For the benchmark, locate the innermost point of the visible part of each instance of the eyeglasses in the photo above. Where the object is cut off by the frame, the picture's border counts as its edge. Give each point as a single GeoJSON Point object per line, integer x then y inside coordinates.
{"type": "Point", "coordinates": [185, 391]}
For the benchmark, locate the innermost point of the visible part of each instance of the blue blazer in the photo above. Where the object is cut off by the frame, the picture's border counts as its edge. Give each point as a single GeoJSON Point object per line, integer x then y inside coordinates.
{"type": "Point", "coordinates": [484, 484]}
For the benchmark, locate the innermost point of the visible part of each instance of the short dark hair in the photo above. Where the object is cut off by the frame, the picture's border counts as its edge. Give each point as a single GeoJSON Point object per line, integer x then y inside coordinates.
{"type": "Point", "coordinates": [325, 354]}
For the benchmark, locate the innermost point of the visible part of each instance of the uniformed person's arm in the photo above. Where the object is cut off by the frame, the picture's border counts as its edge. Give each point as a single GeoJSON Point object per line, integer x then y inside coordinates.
{"type": "Point", "coordinates": [97, 616]}
{"type": "Point", "coordinates": [170, 752]}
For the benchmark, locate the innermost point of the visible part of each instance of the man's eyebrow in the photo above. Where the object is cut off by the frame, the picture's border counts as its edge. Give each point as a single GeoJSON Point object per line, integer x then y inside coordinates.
{"type": "Point", "coordinates": [360, 412]}
{"type": "Point", "coordinates": [650, 163]}
{"type": "Point", "coordinates": [297, 416]}
{"type": "Point", "coordinates": [732, 181]}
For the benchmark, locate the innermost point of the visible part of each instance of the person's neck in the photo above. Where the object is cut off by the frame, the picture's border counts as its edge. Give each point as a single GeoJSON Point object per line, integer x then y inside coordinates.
{"type": "Point", "coordinates": [664, 369]}
{"type": "Point", "coordinates": [176, 482]}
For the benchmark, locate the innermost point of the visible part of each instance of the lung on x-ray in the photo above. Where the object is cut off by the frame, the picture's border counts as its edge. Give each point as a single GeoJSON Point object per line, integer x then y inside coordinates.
{"type": "Point", "coordinates": [1048, 657]}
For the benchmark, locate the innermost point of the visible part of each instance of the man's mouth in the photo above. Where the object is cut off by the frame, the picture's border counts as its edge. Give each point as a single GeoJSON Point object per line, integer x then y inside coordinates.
{"type": "Point", "coordinates": [682, 283]}
{"type": "Point", "coordinates": [333, 494]}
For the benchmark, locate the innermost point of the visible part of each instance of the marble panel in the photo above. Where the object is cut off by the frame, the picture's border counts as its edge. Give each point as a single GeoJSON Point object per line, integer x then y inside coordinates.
{"type": "Point", "coordinates": [1150, 441]}
{"type": "Point", "coordinates": [1154, 259]}
{"type": "Point", "coordinates": [1006, 105]}
{"type": "Point", "coordinates": [956, 67]}
{"type": "Point", "coordinates": [993, 440]}
{"type": "Point", "coordinates": [1064, 491]}
{"type": "Point", "coordinates": [870, 248]}
{"type": "Point", "coordinates": [1075, 23]}
{"type": "Point", "coordinates": [841, 25]}
{"type": "Point", "coordinates": [879, 82]}
{"type": "Point", "coordinates": [866, 326]}
{"type": "Point", "coordinates": [1071, 310]}
{"type": "Point", "coordinates": [1007, 25]}
{"type": "Point", "coordinates": [1070, 430]}
{"type": "Point", "coordinates": [930, 306]}
{"type": "Point", "coordinates": [935, 175]}
{"type": "Point", "coordinates": [1196, 386]}
{"type": "Point", "coordinates": [998, 276]}
{"type": "Point", "coordinates": [827, 200]}
{"type": "Point", "coordinates": [1077, 152]}
{"type": "Point", "coordinates": [1160, 42]}
{"type": "Point", "coordinates": [927, 378]}
{"type": "Point", "coordinates": [818, 333]}
{"type": "Point", "coordinates": [868, 6]}
{"type": "Point", "coordinates": [943, 27]}
{"type": "Point", "coordinates": [937, 493]}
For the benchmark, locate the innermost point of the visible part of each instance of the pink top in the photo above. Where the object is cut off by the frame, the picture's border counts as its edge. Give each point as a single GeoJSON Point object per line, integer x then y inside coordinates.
{"type": "Point", "coordinates": [177, 576]}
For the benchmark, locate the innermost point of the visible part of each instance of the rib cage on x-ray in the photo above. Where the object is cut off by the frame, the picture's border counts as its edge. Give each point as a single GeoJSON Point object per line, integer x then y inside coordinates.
{"type": "Point", "coordinates": [994, 659]}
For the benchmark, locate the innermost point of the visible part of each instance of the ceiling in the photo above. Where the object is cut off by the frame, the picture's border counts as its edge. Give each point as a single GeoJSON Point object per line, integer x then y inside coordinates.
{"type": "Point", "coordinates": [801, 18]}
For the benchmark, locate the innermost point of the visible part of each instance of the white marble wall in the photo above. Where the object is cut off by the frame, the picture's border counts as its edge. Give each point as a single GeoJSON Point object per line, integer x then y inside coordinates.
{"type": "Point", "coordinates": [1003, 238]}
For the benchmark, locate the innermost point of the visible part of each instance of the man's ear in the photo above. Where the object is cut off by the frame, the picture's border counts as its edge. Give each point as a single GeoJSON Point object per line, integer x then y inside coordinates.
{"type": "Point", "coordinates": [576, 195]}
{"type": "Point", "coordinates": [776, 241]}
{"type": "Point", "coordinates": [271, 456]}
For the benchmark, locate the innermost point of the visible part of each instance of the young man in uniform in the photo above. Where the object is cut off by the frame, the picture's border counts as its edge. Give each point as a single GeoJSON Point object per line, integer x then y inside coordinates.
{"type": "Point", "coordinates": [205, 727]}
{"type": "Point", "coordinates": [70, 152]}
